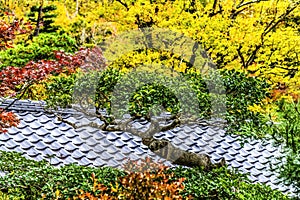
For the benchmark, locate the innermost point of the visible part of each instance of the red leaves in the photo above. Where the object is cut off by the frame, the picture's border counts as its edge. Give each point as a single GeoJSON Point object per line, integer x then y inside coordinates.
{"type": "Point", "coordinates": [8, 31]}
{"type": "Point", "coordinates": [7, 120]}
{"type": "Point", "coordinates": [15, 81]}
{"type": "Point", "coordinates": [94, 60]}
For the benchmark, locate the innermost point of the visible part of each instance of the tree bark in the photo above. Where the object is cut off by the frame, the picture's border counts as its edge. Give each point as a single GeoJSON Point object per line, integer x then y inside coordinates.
{"type": "Point", "coordinates": [39, 20]}
{"type": "Point", "coordinates": [161, 147]}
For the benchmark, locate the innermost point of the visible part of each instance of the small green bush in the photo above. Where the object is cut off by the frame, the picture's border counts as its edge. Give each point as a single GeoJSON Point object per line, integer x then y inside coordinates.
{"type": "Point", "coordinates": [39, 180]}
{"type": "Point", "coordinates": [42, 47]}
{"type": "Point", "coordinates": [243, 91]}
{"type": "Point", "coordinates": [285, 130]}
{"type": "Point", "coordinates": [222, 183]}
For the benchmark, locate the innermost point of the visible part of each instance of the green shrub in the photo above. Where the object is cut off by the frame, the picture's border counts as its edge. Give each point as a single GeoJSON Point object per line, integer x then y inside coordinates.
{"type": "Point", "coordinates": [39, 179]}
{"type": "Point", "coordinates": [223, 183]}
{"type": "Point", "coordinates": [219, 183]}
{"type": "Point", "coordinates": [243, 91]}
{"type": "Point", "coordinates": [42, 47]}
{"type": "Point", "coordinates": [141, 93]}
{"type": "Point", "coordinates": [289, 171]}
{"type": "Point", "coordinates": [285, 130]}
{"type": "Point", "coordinates": [15, 162]}
{"type": "Point", "coordinates": [59, 90]}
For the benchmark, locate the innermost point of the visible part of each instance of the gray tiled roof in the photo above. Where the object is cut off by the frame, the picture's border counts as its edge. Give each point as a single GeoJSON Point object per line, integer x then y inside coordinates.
{"type": "Point", "coordinates": [40, 134]}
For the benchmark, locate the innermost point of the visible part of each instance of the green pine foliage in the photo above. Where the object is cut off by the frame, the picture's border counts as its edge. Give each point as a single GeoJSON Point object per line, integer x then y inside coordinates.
{"type": "Point", "coordinates": [41, 47]}
{"type": "Point", "coordinates": [47, 18]}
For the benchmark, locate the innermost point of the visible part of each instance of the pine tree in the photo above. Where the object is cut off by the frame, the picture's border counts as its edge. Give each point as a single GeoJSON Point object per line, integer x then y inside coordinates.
{"type": "Point", "coordinates": [43, 17]}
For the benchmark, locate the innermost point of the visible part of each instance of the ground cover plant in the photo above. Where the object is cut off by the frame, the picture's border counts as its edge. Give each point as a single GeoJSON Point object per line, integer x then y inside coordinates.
{"type": "Point", "coordinates": [28, 179]}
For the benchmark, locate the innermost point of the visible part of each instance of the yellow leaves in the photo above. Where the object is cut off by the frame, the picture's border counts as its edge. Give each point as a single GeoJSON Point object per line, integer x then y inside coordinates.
{"type": "Point", "coordinates": [220, 34]}
{"type": "Point", "coordinates": [256, 108]}
{"type": "Point", "coordinates": [57, 195]}
{"type": "Point", "coordinates": [155, 59]}
{"type": "Point", "coordinates": [61, 18]}
{"type": "Point", "coordinates": [116, 188]}
{"type": "Point", "coordinates": [288, 98]}
{"type": "Point", "coordinates": [36, 92]}
{"type": "Point", "coordinates": [268, 109]}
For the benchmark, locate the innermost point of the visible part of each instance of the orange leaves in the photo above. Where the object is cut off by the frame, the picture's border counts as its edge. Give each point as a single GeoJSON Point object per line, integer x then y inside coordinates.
{"type": "Point", "coordinates": [150, 181]}
{"type": "Point", "coordinates": [284, 91]}
{"type": "Point", "coordinates": [146, 180]}
{"type": "Point", "coordinates": [7, 120]}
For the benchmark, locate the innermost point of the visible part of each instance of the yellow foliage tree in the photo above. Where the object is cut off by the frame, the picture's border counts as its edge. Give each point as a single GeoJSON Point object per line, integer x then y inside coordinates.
{"type": "Point", "coordinates": [259, 36]}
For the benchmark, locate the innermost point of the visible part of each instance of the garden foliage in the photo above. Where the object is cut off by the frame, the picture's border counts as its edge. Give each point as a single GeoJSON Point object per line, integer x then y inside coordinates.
{"type": "Point", "coordinates": [27, 179]}
{"type": "Point", "coordinates": [41, 48]}
{"type": "Point", "coordinates": [44, 16]}
{"type": "Point", "coordinates": [101, 86]}
{"type": "Point", "coordinates": [260, 37]}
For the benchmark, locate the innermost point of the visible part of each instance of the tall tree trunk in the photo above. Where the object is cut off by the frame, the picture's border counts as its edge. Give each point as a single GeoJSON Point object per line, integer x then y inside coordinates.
{"type": "Point", "coordinates": [39, 20]}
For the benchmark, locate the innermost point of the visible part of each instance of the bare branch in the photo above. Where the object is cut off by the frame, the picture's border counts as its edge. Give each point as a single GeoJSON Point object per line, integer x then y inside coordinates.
{"type": "Point", "coordinates": [213, 13]}
{"type": "Point", "coordinates": [271, 26]}
{"type": "Point", "coordinates": [235, 13]}
{"type": "Point", "coordinates": [242, 4]}
{"type": "Point", "coordinates": [123, 4]}
{"type": "Point", "coordinates": [215, 5]}
{"type": "Point", "coordinates": [252, 57]}
{"type": "Point", "coordinates": [39, 20]}
{"type": "Point", "coordinates": [21, 92]}
{"type": "Point", "coordinates": [160, 147]}
{"type": "Point", "coordinates": [107, 120]}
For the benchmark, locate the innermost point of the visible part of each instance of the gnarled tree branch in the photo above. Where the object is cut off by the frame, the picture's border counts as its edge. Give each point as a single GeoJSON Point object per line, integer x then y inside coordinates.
{"type": "Point", "coordinates": [161, 147]}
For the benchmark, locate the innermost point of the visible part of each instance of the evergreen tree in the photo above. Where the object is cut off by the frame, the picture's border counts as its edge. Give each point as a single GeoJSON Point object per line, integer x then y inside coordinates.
{"type": "Point", "coordinates": [43, 17]}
